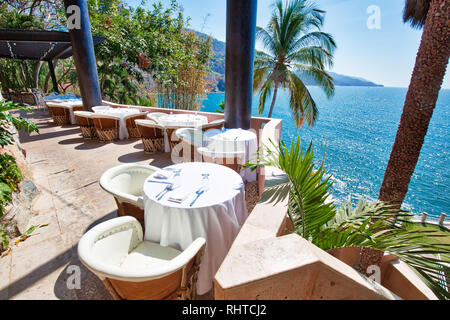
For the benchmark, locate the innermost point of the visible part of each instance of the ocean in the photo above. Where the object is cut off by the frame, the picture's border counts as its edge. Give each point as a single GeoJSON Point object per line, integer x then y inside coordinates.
{"type": "Point", "coordinates": [358, 126]}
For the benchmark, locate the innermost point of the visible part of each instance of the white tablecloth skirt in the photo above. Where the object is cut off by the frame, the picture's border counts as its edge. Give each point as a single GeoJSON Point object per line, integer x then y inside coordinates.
{"type": "Point", "coordinates": [178, 226]}
{"type": "Point", "coordinates": [120, 113]}
{"type": "Point", "coordinates": [232, 140]}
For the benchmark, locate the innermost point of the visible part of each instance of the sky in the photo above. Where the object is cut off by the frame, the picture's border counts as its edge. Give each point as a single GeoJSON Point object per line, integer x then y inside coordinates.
{"type": "Point", "coordinates": [384, 53]}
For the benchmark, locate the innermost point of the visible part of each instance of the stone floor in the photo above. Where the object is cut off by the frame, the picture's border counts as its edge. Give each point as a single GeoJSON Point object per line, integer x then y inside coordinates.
{"type": "Point", "coordinates": [66, 169]}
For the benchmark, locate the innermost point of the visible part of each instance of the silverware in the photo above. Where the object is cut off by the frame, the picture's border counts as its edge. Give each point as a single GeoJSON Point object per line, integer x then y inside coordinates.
{"type": "Point", "coordinates": [199, 192]}
{"type": "Point", "coordinates": [168, 188]}
{"type": "Point", "coordinates": [165, 182]}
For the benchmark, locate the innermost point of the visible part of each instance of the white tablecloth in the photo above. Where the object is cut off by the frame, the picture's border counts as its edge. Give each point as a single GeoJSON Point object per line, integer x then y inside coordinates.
{"type": "Point", "coordinates": [181, 120]}
{"type": "Point", "coordinates": [217, 215]}
{"type": "Point", "coordinates": [232, 140]}
{"type": "Point", "coordinates": [121, 113]}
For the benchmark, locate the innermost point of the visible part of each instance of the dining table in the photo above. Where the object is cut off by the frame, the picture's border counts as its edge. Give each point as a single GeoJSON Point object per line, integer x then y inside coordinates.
{"type": "Point", "coordinates": [120, 113]}
{"type": "Point", "coordinates": [234, 140]}
{"type": "Point", "coordinates": [67, 104]}
{"type": "Point", "coordinates": [190, 200]}
{"type": "Point", "coordinates": [180, 120]}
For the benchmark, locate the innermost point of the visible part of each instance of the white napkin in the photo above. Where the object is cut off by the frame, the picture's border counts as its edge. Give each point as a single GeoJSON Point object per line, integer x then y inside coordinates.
{"type": "Point", "coordinates": [178, 196]}
{"type": "Point", "coordinates": [163, 174]}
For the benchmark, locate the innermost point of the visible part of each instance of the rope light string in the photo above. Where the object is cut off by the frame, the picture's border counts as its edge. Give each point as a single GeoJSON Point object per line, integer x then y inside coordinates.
{"type": "Point", "coordinates": [10, 50]}
{"type": "Point", "coordinates": [52, 46]}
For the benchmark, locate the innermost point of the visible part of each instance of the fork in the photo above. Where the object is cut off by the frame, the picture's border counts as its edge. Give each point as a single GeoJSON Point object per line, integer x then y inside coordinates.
{"type": "Point", "coordinates": [168, 188]}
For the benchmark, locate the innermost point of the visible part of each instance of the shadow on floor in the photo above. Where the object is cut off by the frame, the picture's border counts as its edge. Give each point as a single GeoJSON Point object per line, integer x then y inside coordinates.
{"type": "Point", "coordinates": [139, 146]}
{"type": "Point", "coordinates": [76, 282]}
{"type": "Point", "coordinates": [24, 137]}
{"type": "Point", "coordinates": [71, 141]}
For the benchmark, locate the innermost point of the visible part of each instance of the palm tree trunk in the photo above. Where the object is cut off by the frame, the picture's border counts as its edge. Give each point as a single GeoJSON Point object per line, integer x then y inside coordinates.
{"type": "Point", "coordinates": [429, 70]}
{"type": "Point", "coordinates": [426, 81]}
{"type": "Point", "coordinates": [273, 100]}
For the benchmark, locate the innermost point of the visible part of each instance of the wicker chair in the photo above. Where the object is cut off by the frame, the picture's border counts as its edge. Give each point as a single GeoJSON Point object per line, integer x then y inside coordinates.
{"type": "Point", "coordinates": [216, 124]}
{"type": "Point", "coordinates": [152, 135]}
{"type": "Point", "coordinates": [60, 115]}
{"type": "Point", "coordinates": [86, 123]}
{"type": "Point", "coordinates": [133, 131]}
{"type": "Point", "coordinates": [134, 269]}
{"type": "Point", "coordinates": [156, 115]}
{"type": "Point", "coordinates": [125, 183]}
{"type": "Point", "coordinates": [232, 160]}
{"type": "Point", "coordinates": [106, 126]}
{"type": "Point", "coordinates": [190, 140]}
{"type": "Point", "coordinates": [98, 108]}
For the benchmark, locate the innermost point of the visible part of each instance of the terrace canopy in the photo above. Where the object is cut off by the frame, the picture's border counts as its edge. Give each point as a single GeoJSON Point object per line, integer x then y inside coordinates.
{"type": "Point", "coordinates": [41, 45]}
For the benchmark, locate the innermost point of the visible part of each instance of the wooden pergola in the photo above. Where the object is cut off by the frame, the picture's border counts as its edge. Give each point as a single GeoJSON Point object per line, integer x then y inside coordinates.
{"type": "Point", "coordinates": [40, 45]}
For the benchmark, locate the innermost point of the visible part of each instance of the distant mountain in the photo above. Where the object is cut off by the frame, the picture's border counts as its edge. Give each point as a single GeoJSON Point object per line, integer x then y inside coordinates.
{"type": "Point", "coordinates": [217, 74]}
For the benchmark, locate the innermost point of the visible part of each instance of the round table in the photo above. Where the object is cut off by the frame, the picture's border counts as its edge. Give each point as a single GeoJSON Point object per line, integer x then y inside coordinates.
{"type": "Point", "coordinates": [120, 113]}
{"type": "Point", "coordinates": [180, 120]}
{"type": "Point", "coordinates": [183, 120]}
{"type": "Point", "coordinates": [216, 215]}
{"type": "Point", "coordinates": [232, 140]}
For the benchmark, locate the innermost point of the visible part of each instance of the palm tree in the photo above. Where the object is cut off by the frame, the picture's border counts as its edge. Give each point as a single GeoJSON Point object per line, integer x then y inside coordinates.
{"type": "Point", "coordinates": [429, 70]}
{"type": "Point", "coordinates": [426, 81]}
{"type": "Point", "coordinates": [376, 226]}
{"type": "Point", "coordinates": [296, 47]}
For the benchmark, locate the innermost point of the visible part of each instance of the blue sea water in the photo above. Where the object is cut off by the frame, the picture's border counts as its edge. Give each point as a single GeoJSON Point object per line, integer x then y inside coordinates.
{"type": "Point", "coordinates": [359, 125]}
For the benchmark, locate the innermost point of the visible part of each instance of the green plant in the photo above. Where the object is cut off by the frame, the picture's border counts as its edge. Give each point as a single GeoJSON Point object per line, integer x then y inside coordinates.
{"type": "Point", "coordinates": [20, 123]}
{"type": "Point", "coordinates": [368, 225]}
{"type": "Point", "coordinates": [221, 107]}
{"type": "Point", "coordinates": [297, 50]}
{"type": "Point", "coordinates": [10, 175]}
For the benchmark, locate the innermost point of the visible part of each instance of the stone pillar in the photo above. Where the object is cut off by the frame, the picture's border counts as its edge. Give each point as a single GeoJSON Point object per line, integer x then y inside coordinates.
{"type": "Point", "coordinates": [83, 52]}
{"type": "Point", "coordinates": [240, 53]}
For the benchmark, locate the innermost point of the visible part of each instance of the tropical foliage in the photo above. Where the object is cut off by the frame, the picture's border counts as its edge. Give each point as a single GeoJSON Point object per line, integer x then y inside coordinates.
{"type": "Point", "coordinates": [149, 55]}
{"type": "Point", "coordinates": [10, 175]}
{"type": "Point", "coordinates": [376, 225]}
{"type": "Point", "coordinates": [295, 48]}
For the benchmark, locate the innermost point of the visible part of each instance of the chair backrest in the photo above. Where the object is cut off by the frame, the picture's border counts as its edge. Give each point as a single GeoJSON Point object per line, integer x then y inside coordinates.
{"type": "Point", "coordinates": [77, 107]}
{"type": "Point", "coordinates": [103, 121]}
{"type": "Point", "coordinates": [156, 115]}
{"type": "Point", "coordinates": [149, 129]}
{"type": "Point", "coordinates": [96, 108]}
{"type": "Point", "coordinates": [130, 119]}
{"type": "Point", "coordinates": [216, 124]}
{"type": "Point", "coordinates": [126, 179]}
{"type": "Point", "coordinates": [191, 136]}
{"type": "Point", "coordinates": [56, 110]}
{"type": "Point", "coordinates": [84, 117]}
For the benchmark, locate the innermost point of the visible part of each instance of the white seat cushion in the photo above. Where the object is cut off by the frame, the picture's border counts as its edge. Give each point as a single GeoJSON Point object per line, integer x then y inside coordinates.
{"type": "Point", "coordinates": [148, 255]}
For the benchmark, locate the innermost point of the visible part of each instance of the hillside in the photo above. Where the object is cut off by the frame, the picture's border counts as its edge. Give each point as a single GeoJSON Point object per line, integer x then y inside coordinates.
{"type": "Point", "coordinates": [217, 74]}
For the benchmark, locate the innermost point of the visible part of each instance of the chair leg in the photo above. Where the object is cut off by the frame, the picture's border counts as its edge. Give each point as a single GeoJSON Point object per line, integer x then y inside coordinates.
{"type": "Point", "coordinates": [111, 289]}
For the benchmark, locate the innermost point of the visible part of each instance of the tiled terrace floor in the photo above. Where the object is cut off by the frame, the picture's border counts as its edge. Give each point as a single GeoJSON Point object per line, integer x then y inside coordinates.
{"type": "Point", "coordinates": [66, 170]}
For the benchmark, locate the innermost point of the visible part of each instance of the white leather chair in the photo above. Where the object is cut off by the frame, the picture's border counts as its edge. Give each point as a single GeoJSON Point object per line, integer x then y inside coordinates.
{"type": "Point", "coordinates": [190, 139]}
{"type": "Point", "coordinates": [125, 182]}
{"type": "Point", "coordinates": [132, 268]}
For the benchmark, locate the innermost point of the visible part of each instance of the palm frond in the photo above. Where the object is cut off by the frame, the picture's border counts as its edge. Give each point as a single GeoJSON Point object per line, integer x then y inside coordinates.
{"type": "Point", "coordinates": [301, 102]}
{"type": "Point", "coordinates": [374, 225]}
{"type": "Point", "coordinates": [415, 12]}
